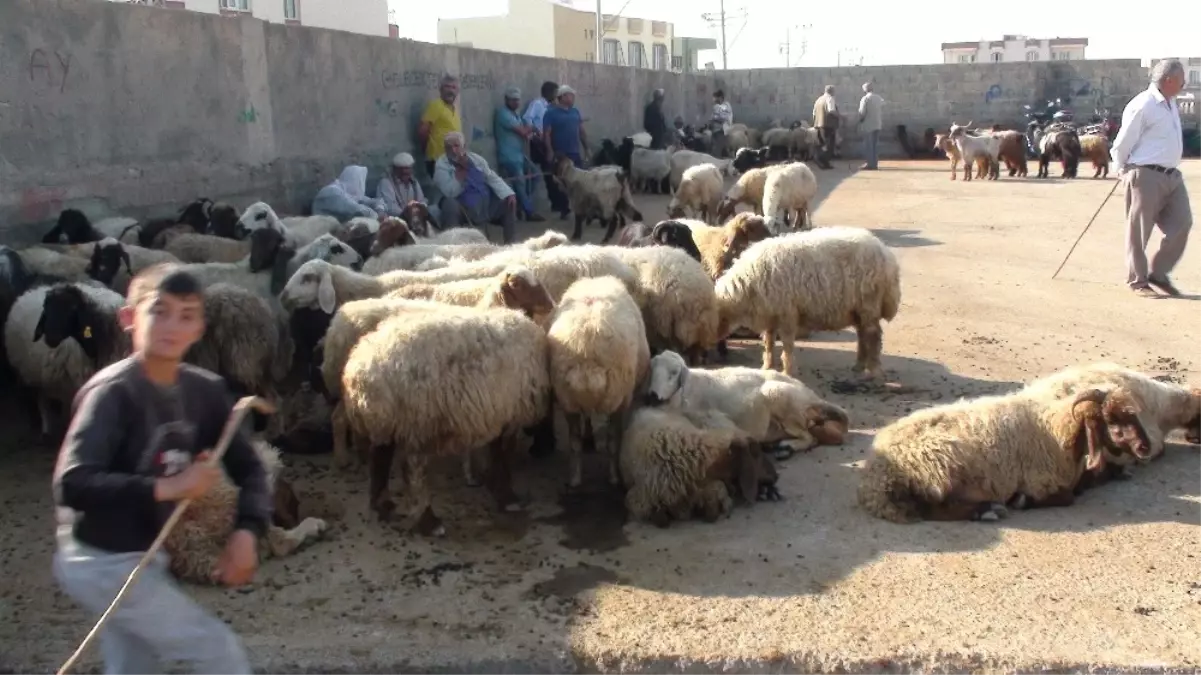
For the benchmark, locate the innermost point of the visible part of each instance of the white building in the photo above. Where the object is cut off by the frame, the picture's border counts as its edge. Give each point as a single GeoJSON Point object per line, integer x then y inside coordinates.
{"type": "Point", "coordinates": [368, 17]}
{"type": "Point", "coordinates": [1014, 48]}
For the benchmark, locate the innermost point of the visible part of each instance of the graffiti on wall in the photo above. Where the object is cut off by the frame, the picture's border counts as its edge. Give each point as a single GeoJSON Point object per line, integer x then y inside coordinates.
{"type": "Point", "coordinates": [248, 115]}
{"type": "Point", "coordinates": [50, 71]}
{"type": "Point", "coordinates": [428, 79]}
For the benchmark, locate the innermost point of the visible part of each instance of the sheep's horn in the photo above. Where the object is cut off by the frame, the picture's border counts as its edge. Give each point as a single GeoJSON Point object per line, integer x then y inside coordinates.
{"type": "Point", "coordinates": [1092, 395]}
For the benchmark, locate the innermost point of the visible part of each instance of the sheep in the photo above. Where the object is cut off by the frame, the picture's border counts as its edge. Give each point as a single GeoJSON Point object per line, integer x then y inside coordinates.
{"type": "Point", "coordinates": [700, 190]}
{"type": "Point", "coordinates": [74, 265]}
{"type": "Point", "coordinates": [410, 257]}
{"type": "Point", "coordinates": [748, 189]}
{"type": "Point", "coordinates": [650, 168]}
{"type": "Point", "coordinates": [787, 194]}
{"type": "Point", "coordinates": [1164, 406]}
{"type": "Point", "coordinates": [634, 234]}
{"type": "Point", "coordinates": [598, 355]}
{"type": "Point", "coordinates": [1095, 148]}
{"type": "Point", "coordinates": [194, 217]}
{"type": "Point", "coordinates": [682, 160]}
{"type": "Point", "coordinates": [515, 283]}
{"type": "Point", "coordinates": [269, 249]}
{"type": "Point", "coordinates": [1059, 143]}
{"type": "Point", "coordinates": [204, 248]}
{"type": "Point", "coordinates": [720, 246]}
{"type": "Point", "coordinates": [299, 230]}
{"type": "Point", "coordinates": [223, 220]}
{"type": "Point", "coordinates": [674, 467]}
{"type": "Point", "coordinates": [36, 336]}
{"type": "Point", "coordinates": [394, 232]}
{"type": "Point", "coordinates": [73, 227]}
{"type": "Point", "coordinates": [199, 537]}
{"type": "Point", "coordinates": [778, 142]}
{"type": "Point", "coordinates": [441, 382]}
{"type": "Point", "coordinates": [107, 255]}
{"type": "Point", "coordinates": [679, 308]}
{"type": "Point", "coordinates": [944, 143]}
{"type": "Point", "coordinates": [971, 147]}
{"type": "Point", "coordinates": [1012, 151]}
{"type": "Point", "coordinates": [746, 159]}
{"type": "Point", "coordinates": [968, 459]}
{"type": "Point", "coordinates": [738, 137]}
{"type": "Point", "coordinates": [602, 193]}
{"type": "Point", "coordinates": [422, 224]}
{"type": "Point", "coordinates": [515, 287]}
{"type": "Point", "coordinates": [826, 279]}
{"type": "Point", "coordinates": [802, 139]}
{"type": "Point", "coordinates": [769, 407]}
{"type": "Point", "coordinates": [675, 234]}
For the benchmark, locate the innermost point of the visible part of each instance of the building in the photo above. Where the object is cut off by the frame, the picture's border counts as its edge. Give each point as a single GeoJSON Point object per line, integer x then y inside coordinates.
{"type": "Point", "coordinates": [1014, 48]}
{"type": "Point", "coordinates": [558, 30]}
{"type": "Point", "coordinates": [368, 17]}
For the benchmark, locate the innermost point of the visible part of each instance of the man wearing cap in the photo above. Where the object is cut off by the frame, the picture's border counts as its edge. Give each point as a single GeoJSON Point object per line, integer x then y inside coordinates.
{"type": "Point", "coordinates": [471, 189]}
{"type": "Point", "coordinates": [534, 114]}
{"type": "Point", "coordinates": [563, 128]}
{"type": "Point", "coordinates": [398, 187]}
{"type": "Point", "coordinates": [654, 122]}
{"type": "Point", "coordinates": [511, 161]}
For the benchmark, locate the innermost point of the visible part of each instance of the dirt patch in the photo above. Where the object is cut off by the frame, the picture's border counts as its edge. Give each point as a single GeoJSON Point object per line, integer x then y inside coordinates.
{"type": "Point", "coordinates": [591, 521]}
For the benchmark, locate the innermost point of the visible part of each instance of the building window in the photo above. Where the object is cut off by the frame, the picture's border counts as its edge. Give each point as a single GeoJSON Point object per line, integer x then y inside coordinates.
{"type": "Point", "coordinates": [1194, 77]}
{"type": "Point", "coordinates": [236, 5]}
{"type": "Point", "coordinates": [637, 54]}
{"type": "Point", "coordinates": [589, 33]}
{"type": "Point", "coordinates": [634, 26]}
{"type": "Point", "coordinates": [659, 54]}
{"type": "Point", "coordinates": [1031, 56]}
{"type": "Point", "coordinates": [963, 58]}
{"type": "Point", "coordinates": [610, 48]}
{"type": "Point", "coordinates": [996, 57]}
{"type": "Point", "coordinates": [292, 10]}
{"type": "Point", "coordinates": [1062, 56]}
{"type": "Point", "coordinates": [659, 28]}
{"type": "Point", "coordinates": [677, 63]}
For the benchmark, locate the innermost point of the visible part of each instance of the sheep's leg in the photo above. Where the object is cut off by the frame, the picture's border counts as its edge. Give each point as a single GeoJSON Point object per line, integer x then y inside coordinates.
{"type": "Point", "coordinates": [954, 168]}
{"type": "Point", "coordinates": [542, 441]}
{"type": "Point", "coordinates": [574, 468]}
{"type": "Point", "coordinates": [1063, 497]}
{"type": "Point", "coordinates": [578, 233]}
{"type": "Point", "coordinates": [469, 476]}
{"type": "Point", "coordinates": [282, 543]}
{"type": "Point", "coordinates": [45, 405]}
{"type": "Point", "coordinates": [788, 349]}
{"type": "Point", "coordinates": [612, 229]}
{"type": "Point", "coordinates": [381, 468]}
{"type": "Point", "coordinates": [500, 476]}
{"type": "Point", "coordinates": [615, 425]}
{"type": "Point", "coordinates": [423, 519]}
{"type": "Point", "coordinates": [341, 430]}
{"type": "Point", "coordinates": [871, 345]}
{"type": "Point", "coordinates": [956, 508]}
{"type": "Point", "coordinates": [769, 347]}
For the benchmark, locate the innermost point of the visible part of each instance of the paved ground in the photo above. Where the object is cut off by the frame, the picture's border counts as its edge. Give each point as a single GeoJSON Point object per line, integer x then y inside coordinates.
{"type": "Point", "coordinates": [809, 584]}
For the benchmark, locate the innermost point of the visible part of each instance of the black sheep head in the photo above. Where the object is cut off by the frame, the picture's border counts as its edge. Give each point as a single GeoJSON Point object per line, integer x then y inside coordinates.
{"type": "Point", "coordinates": [196, 214]}
{"type": "Point", "coordinates": [264, 247]}
{"type": "Point", "coordinates": [223, 221]}
{"type": "Point", "coordinates": [66, 314]}
{"type": "Point", "coordinates": [107, 256]}
{"type": "Point", "coordinates": [73, 228]}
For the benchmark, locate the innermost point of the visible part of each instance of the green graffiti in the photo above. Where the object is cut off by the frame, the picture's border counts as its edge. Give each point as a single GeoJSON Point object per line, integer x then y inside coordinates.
{"type": "Point", "coordinates": [249, 115]}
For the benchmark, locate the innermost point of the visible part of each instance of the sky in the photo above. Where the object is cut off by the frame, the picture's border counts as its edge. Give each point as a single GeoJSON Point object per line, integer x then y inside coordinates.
{"type": "Point", "coordinates": [834, 34]}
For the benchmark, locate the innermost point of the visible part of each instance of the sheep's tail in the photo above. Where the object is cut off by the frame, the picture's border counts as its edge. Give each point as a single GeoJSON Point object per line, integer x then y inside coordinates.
{"type": "Point", "coordinates": [587, 382]}
{"type": "Point", "coordinates": [885, 492]}
{"type": "Point", "coordinates": [890, 303]}
{"type": "Point", "coordinates": [135, 226]}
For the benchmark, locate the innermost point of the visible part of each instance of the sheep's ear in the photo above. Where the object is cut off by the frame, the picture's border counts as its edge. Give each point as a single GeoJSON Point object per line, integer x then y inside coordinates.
{"type": "Point", "coordinates": [39, 329]}
{"type": "Point", "coordinates": [287, 506]}
{"type": "Point", "coordinates": [325, 293]}
{"type": "Point", "coordinates": [1088, 396]}
{"type": "Point", "coordinates": [1094, 459]}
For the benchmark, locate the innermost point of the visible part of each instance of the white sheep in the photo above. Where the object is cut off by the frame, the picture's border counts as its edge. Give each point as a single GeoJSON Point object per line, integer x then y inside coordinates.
{"type": "Point", "coordinates": [598, 355]}
{"type": "Point", "coordinates": [101, 260]}
{"type": "Point", "coordinates": [649, 167]}
{"type": "Point", "coordinates": [679, 307]}
{"type": "Point", "coordinates": [204, 248]}
{"type": "Point", "coordinates": [641, 139]}
{"type": "Point", "coordinates": [825, 279]}
{"type": "Point", "coordinates": [748, 189]}
{"type": "Point", "coordinates": [675, 466]}
{"type": "Point", "coordinates": [968, 459]}
{"type": "Point", "coordinates": [602, 193]}
{"type": "Point", "coordinates": [769, 407]}
{"type": "Point", "coordinates": [682, 160]}
{"type": "Point", "coordinates": [700, 191]}
{"type": "Point", "coordinates": [198, 540]}
{"type": "Point", "coordinates": [972, 147]}
{"type": "Point", "coordinates": [57, 337]}
{"type": "Point", "coordinates": [299, 230]}
{"type": "Point", "coordinates": [441, 383]}
{"type": "Point", "coordinates": [787, 194]}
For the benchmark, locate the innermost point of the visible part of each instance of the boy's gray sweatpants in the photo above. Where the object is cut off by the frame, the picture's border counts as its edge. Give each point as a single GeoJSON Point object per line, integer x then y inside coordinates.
{"type": "Point", "coordinates": [155, 622]}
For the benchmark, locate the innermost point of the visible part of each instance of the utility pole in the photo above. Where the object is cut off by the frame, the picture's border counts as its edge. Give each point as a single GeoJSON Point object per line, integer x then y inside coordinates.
{"type": "Point", "coordinates": [600, 32]}
{"type": "Point", "coordinates": [721, 18]}
{"type": "Point", "coordinates": [786, 45]}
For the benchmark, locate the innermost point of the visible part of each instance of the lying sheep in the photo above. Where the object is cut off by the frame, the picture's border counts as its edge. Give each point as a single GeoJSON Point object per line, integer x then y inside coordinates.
{"type": "Point", "coordinates": [700, 191]}
{"type": "Point", "coordinates": [57, 337]}
{"type": "Point", "coordinates": [968, 459]}
{"type": "Point", "coordinates": [602, 193]}
{"type": "Point", "coordinates": [825, 279]}
{"type": "Point", "coordinates": [787, 194]}
{"type": "Point", "coordinates": [198, 540]}
{"type": "Point", "coordinates": [679, 308]}
{"type": "Point", "coordinates": [769, 407]}
{"type": "Point", "coordinates": [673, 467]}
{"type": "Point", "coordinates": [970, 147]}
{"type": "Point", "coordinates": [440, 383]}
{"type": "Point", "coordinates": [598, 355]}
{"type": "Point", "coordinates": [1164, 406]}
{"type": "Point", "coordinates": [1095, 148]}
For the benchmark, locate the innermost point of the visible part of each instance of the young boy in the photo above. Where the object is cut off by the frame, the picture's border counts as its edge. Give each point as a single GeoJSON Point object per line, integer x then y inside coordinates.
{"type": "Point", "coordinates": [134, 449]}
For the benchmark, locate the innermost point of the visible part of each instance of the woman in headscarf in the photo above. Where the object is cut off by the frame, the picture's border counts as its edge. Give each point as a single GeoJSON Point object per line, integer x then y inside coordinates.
{"type": "Point", "coordinates": [346, 197]}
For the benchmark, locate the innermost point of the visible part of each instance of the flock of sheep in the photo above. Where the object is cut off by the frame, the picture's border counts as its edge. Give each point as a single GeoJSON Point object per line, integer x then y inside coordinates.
{"type": "Point", "coordinates": [412, 345]}
{"type": "Point", "coordinates": [986, 149]}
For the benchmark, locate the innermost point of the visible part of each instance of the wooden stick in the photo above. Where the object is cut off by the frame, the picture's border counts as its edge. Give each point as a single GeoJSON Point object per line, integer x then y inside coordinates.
{"type": "Point", "coordinates": [236, 416]}
{"type": "Point", "coordinates": [1090, 224]}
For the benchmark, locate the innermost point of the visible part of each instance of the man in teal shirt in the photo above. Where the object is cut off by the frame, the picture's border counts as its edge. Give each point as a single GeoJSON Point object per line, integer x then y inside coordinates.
{"type": "Point", "coordinates": [511, 161]}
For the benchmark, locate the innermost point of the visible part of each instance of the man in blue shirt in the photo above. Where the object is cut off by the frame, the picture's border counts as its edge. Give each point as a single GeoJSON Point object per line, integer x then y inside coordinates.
{"type": "Point", "coordinates": [534, 113]}
{"type": "Point", "coordinates": [563, 128]}
{"type": "Point", "coordinates": [511, 162]}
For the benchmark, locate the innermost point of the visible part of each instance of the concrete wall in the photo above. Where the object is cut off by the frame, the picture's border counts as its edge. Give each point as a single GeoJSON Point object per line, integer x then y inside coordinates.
{"type": "Point", "coordinates": [118, 108]}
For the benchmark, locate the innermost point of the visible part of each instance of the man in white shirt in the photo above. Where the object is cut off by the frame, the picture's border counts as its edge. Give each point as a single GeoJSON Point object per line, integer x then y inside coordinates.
{"type": "Point", "coordinates": [825, 119]}
{"type": "Point", "coordinates": [1147, 151]}
{"type": "Point", "coordinates": [871, 120]}
{"type": "Point", "coordinates": [723, 117]}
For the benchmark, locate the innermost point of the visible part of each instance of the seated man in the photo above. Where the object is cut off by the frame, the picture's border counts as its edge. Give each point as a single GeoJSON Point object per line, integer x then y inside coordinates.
{"type": "Point", "coordinates": [398, 188]}
{"type": "Point", "coordinates": [346, 197]}
{"type": "Point", "coordinates": [471, 189]}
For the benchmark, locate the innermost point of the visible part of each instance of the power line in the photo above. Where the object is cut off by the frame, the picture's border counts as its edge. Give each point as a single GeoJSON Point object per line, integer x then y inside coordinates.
{"type": "Point", "coordinates": [721, 18]}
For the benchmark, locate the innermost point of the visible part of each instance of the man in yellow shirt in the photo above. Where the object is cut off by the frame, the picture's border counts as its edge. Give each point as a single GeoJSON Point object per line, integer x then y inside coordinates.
{"type": "Point", "coordinates": [440, 118]}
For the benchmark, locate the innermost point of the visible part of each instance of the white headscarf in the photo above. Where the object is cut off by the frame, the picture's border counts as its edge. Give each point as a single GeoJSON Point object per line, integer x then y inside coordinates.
{"type": "Point", "coordinates": [352, 181]}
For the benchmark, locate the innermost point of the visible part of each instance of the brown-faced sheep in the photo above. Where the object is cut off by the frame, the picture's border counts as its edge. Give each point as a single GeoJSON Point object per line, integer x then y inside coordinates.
{"type": "Point", "coordinates": [967, 459]}
{"type": "Point", "coordinates": [1095, 148]}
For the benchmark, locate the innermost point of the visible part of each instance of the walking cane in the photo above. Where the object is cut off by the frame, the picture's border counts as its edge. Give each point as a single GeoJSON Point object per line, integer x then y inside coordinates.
{"type": "Point", "coordinates": [236, 416]}
{"type": "Point", "coordinates": [1090, 224]}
